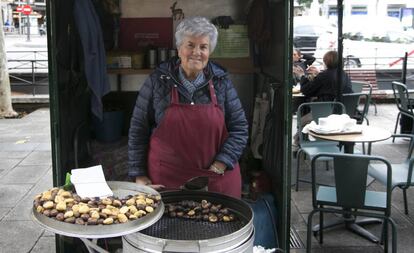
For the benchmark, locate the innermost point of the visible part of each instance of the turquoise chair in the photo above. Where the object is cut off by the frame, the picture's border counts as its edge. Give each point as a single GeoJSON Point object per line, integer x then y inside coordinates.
{"type": "Point", "coordinates": [402, 101]}
{"type": "Point", "coordinates": [309, 148]}
{"type": "Point", "coordinates": [352, 102]}
{"type": "Point", "coordinates": [358, 87]}
{"type": "Point", "coordinates": [401, 172]}
{"type": "Point", "coordinates": [352, 199]}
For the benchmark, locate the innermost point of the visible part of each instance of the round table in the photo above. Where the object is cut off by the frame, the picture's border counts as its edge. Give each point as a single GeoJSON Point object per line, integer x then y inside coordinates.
{"type": "Point", "coordinates": [369, 134]}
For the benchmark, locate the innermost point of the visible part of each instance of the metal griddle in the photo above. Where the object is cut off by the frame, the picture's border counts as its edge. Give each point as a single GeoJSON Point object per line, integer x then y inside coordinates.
{"type": "Point", "coordinates": [186, 229]}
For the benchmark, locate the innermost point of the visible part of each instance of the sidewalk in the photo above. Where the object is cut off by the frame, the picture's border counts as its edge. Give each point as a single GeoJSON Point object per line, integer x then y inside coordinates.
{"type": "Point", "coordinates": [25, 170]}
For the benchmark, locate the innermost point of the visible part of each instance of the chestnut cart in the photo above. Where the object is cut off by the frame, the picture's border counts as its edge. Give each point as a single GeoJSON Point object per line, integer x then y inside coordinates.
{"type": "Point", "coordinates": [89, 234]}
{"type": "Point", "coordinates": [157, 233]}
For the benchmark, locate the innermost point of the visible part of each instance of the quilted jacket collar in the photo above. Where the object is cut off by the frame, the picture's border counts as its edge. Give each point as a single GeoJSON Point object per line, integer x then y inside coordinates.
{"type": "Point", "coordinates": [170, 67]}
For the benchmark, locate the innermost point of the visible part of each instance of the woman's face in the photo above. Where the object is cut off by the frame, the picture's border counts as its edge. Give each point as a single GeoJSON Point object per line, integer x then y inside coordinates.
{"type": "Point", "coordinates": [296, 56]}
{"type": "Point", "coordinates": [194, 53]}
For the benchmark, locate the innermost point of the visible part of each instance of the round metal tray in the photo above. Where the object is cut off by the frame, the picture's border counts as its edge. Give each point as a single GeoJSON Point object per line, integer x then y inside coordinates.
{"type": "Point", "coordinates": [120, 189]}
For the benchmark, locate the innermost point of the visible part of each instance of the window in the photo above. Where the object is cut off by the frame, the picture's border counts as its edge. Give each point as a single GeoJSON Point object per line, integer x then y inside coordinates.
{"type": "Point", "coordinates": [393, 10]}
{"type": "Point", "coordinates": [359, 10]}
{"type": "Point", "coordinates": [332, 11]}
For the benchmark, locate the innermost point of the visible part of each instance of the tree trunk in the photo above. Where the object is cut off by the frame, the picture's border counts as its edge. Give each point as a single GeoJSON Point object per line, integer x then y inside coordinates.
{"type": "Point", "coordinates": [6, 108]}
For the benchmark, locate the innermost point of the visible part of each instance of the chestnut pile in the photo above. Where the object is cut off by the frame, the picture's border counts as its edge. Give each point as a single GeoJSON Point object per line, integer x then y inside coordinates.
{"type": "Point", "coordinates": [69, 207]}
{"type": "Point", "coordinates": [202, 211]}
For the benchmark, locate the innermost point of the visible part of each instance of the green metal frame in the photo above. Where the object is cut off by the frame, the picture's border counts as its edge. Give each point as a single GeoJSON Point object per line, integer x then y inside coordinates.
{"type": "Point", "coordinates": [282, 161]}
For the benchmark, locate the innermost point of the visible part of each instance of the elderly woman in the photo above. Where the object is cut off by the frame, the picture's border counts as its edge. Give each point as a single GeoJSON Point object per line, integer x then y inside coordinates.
{"type": "Point", "coordinates": [188, 120]}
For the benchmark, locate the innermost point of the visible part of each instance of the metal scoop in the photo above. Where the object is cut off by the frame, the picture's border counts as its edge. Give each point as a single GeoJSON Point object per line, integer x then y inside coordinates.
{"type": "Point", "coordinates": [196, 183]}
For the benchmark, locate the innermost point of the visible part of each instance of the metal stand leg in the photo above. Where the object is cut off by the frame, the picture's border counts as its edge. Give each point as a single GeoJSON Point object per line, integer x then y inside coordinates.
{"type": "Point", "coordinates": [92, 246]}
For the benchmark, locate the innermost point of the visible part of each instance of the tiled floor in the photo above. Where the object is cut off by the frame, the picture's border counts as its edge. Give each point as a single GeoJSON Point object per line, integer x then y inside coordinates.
{"type": "Point", "coordinates": [338, 239]}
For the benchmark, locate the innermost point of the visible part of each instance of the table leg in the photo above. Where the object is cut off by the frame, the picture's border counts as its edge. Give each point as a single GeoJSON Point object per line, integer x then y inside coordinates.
{"type": "Point", "coordinates": [349, 147]}
{"type": "Point", "coordinates": [357, 229]}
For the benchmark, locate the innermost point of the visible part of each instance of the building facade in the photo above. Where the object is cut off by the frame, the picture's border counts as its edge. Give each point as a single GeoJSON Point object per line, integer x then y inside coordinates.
{"type": "Point", "coordinates": [402, 9]}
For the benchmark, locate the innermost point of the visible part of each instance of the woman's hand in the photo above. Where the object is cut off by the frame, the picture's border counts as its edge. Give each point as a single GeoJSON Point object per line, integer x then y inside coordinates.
{"type": "Point", "coordinates": [312, 70]}
{"type": "Point", "coordinates": [146, 181]}
{"type": "Point", "coordinates": [218, 167]}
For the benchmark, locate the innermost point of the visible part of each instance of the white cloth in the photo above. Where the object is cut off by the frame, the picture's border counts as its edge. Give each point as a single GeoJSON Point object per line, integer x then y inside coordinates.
{"type": "Point", "coordinates": [335, 123]}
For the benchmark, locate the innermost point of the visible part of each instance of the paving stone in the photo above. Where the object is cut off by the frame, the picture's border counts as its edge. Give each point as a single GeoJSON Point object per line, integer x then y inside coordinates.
{"type": "Point", "coordinates": [45, 244]}
{"type": "Point", "coordinates": [3, 212]}
{"type": "Point", "coordinates": [296, 218]}
{"type": "Point", "coordinates": [7, 164]}
{"type": "Point", "coordinates": [13, 146]}
{"type": "Point", "coordinates": [11, 194]}
{"type": "Point", "coordinates": [22, 211]}
{"type": "Point", "coordinates": [13, 154]}
{"type": "Point", "coordinates": [38, 158]}
{"type": "Point", "coordinates": [44, 147]}
{"type": "Point", "coordinates": [18, 236]}
{"type": "Point", "coordinates": [24, 174]}
{"type": "Point", "coordinates": [405, 242]}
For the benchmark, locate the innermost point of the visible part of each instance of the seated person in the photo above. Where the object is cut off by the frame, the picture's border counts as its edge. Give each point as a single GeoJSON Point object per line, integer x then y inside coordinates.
{"type": "Point", "coordinates": [300, 62]}
{"type": "Point", "coordinates": [322, 85]}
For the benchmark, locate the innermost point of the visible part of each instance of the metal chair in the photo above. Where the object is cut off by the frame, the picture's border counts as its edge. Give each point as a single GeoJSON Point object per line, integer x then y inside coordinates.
{"type": "Point", "coordinates": [351, 102]}
{"type": "Point", "coordinates": [312, 148]}
{"type": "Point", "coordinates": [401, 172]}
{"type": "Point", "coordinates": [402, 101]}
{"type": "Point", "coordinates": [358, 87]}
{"type": "Point", "coordinates": [352, 199]}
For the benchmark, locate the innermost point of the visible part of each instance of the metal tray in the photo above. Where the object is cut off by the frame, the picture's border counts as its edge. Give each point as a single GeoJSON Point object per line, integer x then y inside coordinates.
{"type": "Point", "coordinates": [120, 189]}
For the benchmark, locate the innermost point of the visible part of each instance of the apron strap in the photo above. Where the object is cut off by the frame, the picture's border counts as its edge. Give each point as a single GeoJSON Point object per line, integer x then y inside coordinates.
{"type": "Point", "coordinates": [174, 94]}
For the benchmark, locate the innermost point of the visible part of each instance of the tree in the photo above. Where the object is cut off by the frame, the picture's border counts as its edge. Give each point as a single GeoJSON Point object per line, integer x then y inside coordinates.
{"type": "Point", "coordinates": [6, 107]}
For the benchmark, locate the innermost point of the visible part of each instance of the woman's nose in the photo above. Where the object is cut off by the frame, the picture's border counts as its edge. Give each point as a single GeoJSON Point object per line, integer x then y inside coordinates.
{"type": "Point", "coordinates": [196, 51]}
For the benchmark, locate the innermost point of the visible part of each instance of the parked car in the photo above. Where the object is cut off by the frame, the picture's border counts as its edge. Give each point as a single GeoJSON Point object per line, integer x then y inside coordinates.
{"type": "Point", "coordinates": [369, 42]}
{"type": "Point", "coordinates": [306, 31]}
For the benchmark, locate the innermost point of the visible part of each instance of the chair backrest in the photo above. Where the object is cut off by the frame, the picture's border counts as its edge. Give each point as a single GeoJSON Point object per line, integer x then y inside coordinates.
{"type": "Point", "coordinates": [352, 101]}
{"type": "Point", "coordinates": [358, 86]}
{"type": "Point", "coordinates": [350, 179]}
{"type": "Point", "coordinates": [318, 110]}
{"type": "Point", "coordinates": [401, 97]}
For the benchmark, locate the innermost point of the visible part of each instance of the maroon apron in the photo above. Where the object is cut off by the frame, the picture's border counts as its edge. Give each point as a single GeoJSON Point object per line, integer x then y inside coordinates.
{"type": "Point", "coordinates": [185, 144]}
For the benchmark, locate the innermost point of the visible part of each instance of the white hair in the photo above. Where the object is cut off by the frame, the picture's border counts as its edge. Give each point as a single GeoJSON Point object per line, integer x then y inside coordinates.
{"type": "Point", "coordinates": [196, 26]}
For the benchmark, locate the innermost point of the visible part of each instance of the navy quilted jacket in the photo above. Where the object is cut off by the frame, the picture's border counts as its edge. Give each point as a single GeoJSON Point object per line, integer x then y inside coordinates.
{"type": "Point", "coordinates": [154, 98]}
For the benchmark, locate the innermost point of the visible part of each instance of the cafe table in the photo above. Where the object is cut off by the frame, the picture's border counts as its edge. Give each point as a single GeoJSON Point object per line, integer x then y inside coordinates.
{"type": "Point", "coordinates": [369, 134]}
